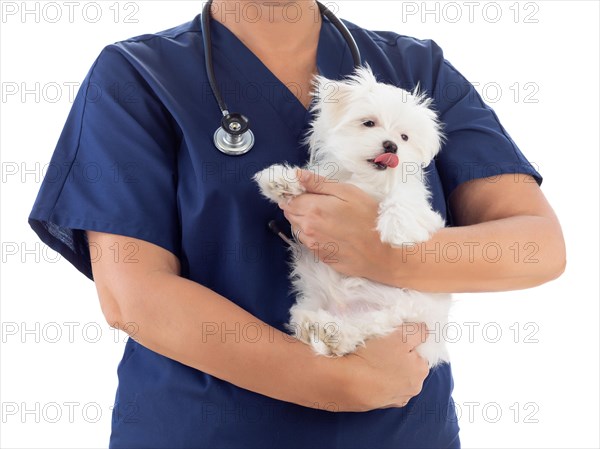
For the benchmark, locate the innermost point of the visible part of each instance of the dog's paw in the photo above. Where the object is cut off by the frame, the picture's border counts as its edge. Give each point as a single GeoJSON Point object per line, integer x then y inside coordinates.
{"type": "Point", "coordinates": [434, 351]}
{"type": "Point", "coordinates": [322, 331]}
{"type": "Point", "coordinates": [279, 182]}
{"type": "Point", "coordinates": [323, 338]}
{"type": "Point", "coordinates": [309, 331]}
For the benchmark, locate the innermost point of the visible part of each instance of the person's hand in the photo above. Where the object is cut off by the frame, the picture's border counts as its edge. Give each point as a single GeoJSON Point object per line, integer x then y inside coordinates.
{"type": "Point", "coordinates": [387, 371]}
{"type": "Point", "coordinates": [337, 221]}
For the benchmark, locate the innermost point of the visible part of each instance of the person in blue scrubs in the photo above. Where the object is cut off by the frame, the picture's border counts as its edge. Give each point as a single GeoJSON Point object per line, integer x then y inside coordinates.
{"type": "Point", "coordinates": [136, 159]}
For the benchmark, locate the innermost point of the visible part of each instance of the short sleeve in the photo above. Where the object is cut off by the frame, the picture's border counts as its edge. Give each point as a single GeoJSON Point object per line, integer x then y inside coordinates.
{"type": "Point", "coordinates": [477, 145]}
{"type": "Point", "coordinates": [114, 168]}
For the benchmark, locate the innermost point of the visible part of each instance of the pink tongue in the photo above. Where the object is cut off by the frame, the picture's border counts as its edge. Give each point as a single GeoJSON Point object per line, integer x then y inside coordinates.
{"type": "Point", "coordinates": [387, 159]}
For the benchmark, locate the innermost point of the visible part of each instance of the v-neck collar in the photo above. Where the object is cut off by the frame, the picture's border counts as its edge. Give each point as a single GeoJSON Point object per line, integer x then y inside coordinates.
{"type": "Point", "coordinates": [334, 61]}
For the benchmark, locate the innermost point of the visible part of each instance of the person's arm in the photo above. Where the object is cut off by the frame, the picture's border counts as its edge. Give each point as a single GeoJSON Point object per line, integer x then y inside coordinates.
{"type": "Point", "coordinates": [192, 324]}
{"type": "Point", "coordinates": [506, 237]}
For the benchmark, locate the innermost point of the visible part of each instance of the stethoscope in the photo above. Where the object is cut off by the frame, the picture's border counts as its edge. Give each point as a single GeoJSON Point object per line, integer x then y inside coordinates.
{"type": "Point", "coordinates": [234, 136]}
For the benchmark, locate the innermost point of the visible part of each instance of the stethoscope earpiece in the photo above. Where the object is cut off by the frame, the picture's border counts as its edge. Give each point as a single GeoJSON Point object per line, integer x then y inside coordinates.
{"type": "Point", "coordinates": [234, 136]}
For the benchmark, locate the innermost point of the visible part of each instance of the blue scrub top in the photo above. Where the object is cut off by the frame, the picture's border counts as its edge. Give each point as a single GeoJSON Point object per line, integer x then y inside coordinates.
{"type": "Point", "coordinates": [136, 158]}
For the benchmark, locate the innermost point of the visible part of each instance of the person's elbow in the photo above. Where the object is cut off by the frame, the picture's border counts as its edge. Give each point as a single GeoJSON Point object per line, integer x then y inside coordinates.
{"type": "Point", "coordinates": [111, 309]}
{"type": "Point", "coordinates": [559, 264]}
{"type": "Point", "coordinates": [124, 286]}
{"type": "Point", "coordinates": [554, 261]}
{"type": "Point", "coordinates": [116, 294]}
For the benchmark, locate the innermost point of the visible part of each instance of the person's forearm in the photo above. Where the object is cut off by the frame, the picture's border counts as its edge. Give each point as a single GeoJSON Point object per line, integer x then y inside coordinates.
{"type": "Point", "coordinates": [508, 254]}
{"type": "Point", "coordinates": [187, 322]}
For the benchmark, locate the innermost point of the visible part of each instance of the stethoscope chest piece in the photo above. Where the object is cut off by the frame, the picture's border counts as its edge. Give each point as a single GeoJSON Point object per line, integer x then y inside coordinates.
{"type": "Point", "coordinates": [234, 136]}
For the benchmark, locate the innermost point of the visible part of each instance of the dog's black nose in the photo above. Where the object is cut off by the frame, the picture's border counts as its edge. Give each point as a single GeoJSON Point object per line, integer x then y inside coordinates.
{"type": "Point", "coordinates": [390, 147]}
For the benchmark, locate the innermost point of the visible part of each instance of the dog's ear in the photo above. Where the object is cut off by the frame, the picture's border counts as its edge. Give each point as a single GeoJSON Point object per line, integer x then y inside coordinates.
{"type": "Point", "coordinates": [332, 97]}
{"type": "Point", "coordinates": [430, 144]}
{"type": "Point", "coordinates": [363, 76]}
{"type": "Point", "coordinates": [421, 97]}
{"type": "Point", "coordinates": [431, 136]}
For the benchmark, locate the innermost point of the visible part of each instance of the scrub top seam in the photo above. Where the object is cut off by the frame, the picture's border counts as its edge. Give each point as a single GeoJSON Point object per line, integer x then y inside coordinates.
{"type": "Point", "coordinates": [80, 133]}
{"type": "Point", "coordinates": [147, 37]}
{"type": "Point", "coordinates": [144, 38]}
{"type": "Point", "coordinates": [373, 36]}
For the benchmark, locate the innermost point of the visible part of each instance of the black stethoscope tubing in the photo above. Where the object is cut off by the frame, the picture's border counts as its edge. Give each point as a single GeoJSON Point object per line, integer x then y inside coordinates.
{"type": "Point", "coordinates": [234, 137]}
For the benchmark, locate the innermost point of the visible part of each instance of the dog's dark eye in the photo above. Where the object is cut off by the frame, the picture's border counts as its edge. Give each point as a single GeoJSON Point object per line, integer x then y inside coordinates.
{"type": "Point", "coordinates": [404, 137]}
{"type": "Point", "coordinates": [369, 123]}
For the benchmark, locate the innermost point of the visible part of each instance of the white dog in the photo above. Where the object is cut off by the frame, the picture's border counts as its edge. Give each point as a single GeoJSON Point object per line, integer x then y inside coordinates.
{"type": "Point", "coordinates": [378, 137]}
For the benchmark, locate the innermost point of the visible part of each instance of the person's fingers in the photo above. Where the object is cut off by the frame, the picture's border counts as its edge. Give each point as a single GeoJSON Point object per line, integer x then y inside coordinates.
{"type": "Point", "coordinates": [401, 403]}
{"type": "Point", "coordinates": [414, 334]}
{"type": "Point", "coordinates": [296, 234]}
{"type": "Point", "coordinates": [294, 206]}
{"type": "Point", "coordinates": [298, 221]}
{"type": "Point", "coordinates": [294, 225]}
{"type": "Point", "coordinates": [291, 216]}
{"type": "Point", "coordinates": [297, 229]}
{"type": "Point", "coordinates": [306, 203]}
{"type": "Point", "coordinates": [314, 183]}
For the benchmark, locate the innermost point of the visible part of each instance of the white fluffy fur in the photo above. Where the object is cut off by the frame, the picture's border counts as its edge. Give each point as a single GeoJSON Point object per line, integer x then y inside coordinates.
{"type": "Point", "coordinates": [335, 313]}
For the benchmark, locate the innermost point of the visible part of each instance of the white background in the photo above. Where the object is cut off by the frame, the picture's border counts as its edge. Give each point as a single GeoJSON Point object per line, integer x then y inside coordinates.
{"type": "Point", "coordinates": [537, 387]}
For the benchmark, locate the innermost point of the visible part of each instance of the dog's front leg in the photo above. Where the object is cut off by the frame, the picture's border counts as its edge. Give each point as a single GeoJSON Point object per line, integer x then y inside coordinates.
{"type": "Point", "coordinates": [404, 221]}
{"type": "Point", "coordinates": [279, 182]}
